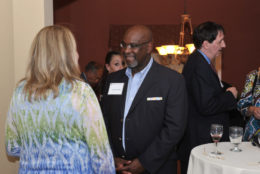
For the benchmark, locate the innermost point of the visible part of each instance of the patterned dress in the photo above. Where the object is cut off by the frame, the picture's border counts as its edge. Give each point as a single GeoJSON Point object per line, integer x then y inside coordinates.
{"type": "Point", "coordinates": [246, 100]}
{"type": "Point", "coordinates": [62, 135]}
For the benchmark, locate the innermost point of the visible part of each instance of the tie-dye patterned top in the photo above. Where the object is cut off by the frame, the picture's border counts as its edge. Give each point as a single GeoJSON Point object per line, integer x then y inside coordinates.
{"type": "Point", "coordinates": [62, 135]}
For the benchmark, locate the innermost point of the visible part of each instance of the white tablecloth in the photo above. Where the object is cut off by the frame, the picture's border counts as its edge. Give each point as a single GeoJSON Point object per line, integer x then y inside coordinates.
{"type": "Point", "coordinates": [245, 162]}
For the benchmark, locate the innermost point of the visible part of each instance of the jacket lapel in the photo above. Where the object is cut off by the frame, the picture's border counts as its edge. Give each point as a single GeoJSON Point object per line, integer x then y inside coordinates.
{"type": "Point", "coordinates": [123, 97]}
{"type": "Point", "coordinates": [149, 80]}
{"type": "Point", "coordinates": [209, 66]}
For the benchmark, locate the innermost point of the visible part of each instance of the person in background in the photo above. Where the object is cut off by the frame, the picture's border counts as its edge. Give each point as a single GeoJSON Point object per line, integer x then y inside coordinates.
{"type": "Point", "coordinates": [54, 123]}
{"type": "Point", "coordinates": [249, 103]}
{"type": "Point", "coordinates": [144, 107]}
{"type": "Point", "coordinates": [92, 76]}
{"type": "Point", "coordinates": [113, 62]}
{"type": "Point", "coordinates": [209, 101]}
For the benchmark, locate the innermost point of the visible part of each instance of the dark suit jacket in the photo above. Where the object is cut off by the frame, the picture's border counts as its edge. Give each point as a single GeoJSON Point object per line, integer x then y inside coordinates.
{"type": "Point", "coordinates": [152, 128]}
{"type": "Point", "coordinates": [208, 103]}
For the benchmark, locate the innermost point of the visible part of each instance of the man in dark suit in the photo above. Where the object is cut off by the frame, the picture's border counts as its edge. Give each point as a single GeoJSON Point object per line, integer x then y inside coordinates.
{"type": "Point", "coordinates": [209, 102]}
{"type": "Point", "coordinates": [145, 109]}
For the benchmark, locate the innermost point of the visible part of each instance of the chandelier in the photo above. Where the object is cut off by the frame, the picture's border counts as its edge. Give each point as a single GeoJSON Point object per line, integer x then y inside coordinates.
{"type": "Point", "coordinates": [181, 49]}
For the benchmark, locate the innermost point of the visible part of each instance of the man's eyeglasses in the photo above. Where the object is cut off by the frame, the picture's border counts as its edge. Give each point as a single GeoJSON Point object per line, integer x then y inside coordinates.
{"type": "Point", "coordinates": [132, 45]}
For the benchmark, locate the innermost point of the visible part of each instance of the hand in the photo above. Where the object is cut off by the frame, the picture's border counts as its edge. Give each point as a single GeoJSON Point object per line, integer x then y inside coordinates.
{"type": "Point", "coordinates": [253, 110]}
{"type": "Point", "coordinates": [233, 90]}
{"type": "Point", "coordinates": [135, 167]}
{"type": "Point", "coordinates": [121, 164]}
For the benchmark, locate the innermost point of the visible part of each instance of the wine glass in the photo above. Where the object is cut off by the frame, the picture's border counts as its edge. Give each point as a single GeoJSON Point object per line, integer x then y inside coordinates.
{"type": "Point", "coordinates": [235, 136]}
{"type": "Point", "coordinates": [259, 143]}
{"type": "Point", "coordinates": [216, 132]}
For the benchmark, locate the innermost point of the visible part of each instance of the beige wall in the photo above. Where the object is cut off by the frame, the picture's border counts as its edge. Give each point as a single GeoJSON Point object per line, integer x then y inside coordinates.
{"type": "Point", "coordinates": [20, 21]}
{"type": "Point", "coordinates": [6, 76]}
{"type": "Point", "coordinates": [27, 21]}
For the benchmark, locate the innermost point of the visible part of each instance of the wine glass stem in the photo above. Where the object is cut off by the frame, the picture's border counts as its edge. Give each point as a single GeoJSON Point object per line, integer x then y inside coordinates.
{"type": "Point", "coordinates": [235, 146]}
{"type": "Point", "coordinates": [216, 149]}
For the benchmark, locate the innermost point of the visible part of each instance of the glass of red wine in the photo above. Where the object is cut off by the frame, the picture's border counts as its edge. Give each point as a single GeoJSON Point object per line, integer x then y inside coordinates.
{"type": "Point", "coordinates": [216, 132]}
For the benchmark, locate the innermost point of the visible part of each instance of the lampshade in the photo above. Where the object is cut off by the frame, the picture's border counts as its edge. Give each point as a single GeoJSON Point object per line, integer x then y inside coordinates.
{"type": "Point", "coordinates": [180, 50]}
{"type": "Point", "coordinates": [190, 47]}
{"type": "Point", "coordinates": [170, 49]}
{"type": "Point", "coordinates": [161, 50]}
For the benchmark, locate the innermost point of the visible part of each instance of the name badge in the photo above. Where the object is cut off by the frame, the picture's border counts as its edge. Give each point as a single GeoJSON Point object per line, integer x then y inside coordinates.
{"type": "Point", "coordinates": [115, 89]}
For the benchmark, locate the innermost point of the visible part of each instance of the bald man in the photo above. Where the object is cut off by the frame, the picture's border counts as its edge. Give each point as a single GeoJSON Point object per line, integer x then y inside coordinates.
{"type": "Point", "coordinates": [144, 106]}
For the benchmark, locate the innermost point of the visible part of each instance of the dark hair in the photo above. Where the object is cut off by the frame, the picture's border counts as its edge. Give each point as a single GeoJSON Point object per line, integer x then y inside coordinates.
{"type": "Point", "coordinates": [206, 31]}
{"type": "Point", "coordinates": [109, 56]}
{"type": "Point", "coordinates": [92, 66]}
{"type": "Point", "coordinates": [108, 59]}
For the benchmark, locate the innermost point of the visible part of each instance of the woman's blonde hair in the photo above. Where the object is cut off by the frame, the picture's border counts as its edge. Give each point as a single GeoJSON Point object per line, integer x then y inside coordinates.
{"type": "Point", "coordinates": [53, 56]}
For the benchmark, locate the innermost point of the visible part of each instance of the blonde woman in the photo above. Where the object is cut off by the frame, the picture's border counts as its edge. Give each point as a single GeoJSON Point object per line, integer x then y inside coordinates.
{"type": "Point", "coordinates": [54, 123]}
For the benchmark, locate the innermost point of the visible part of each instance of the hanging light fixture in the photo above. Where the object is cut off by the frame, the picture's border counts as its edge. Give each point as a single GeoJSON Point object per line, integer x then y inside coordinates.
{"type": "Point", "coordinates": [183, 49]}
{"type": "Point", "coordinates": [180, 49]}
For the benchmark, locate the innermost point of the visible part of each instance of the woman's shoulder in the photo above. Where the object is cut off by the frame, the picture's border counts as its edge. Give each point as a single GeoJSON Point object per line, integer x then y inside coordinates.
{"type": "Point", "coordinates": [82, 88]}
{"type": "Point", "coordinates": [82, 92]}
{"type": "Point", "coordinates": [81, 85]}
{"type": "Point", "coordinates": [251, 75]}
{"type": "Point", "coordinates": [20, 86]}
{"type": "Point", "coordinates": [253, 72]}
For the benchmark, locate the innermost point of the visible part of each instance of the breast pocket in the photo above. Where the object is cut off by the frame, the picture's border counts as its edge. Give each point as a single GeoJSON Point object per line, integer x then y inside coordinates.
{"type": "Point", "coordinates": [155, 104]}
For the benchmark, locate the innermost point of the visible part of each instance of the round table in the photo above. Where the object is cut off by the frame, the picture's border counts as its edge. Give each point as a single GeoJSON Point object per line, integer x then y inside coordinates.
{"type": "Point", "coordinates": [246, 162]}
